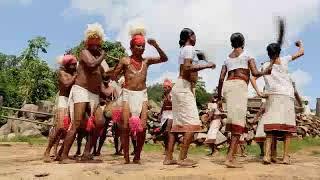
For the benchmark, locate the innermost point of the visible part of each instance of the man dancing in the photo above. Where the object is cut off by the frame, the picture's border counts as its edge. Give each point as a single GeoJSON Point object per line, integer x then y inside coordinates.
{"type": "Point", "coordinates": [66, 78]}
{"type": "Point", "coordinates": [85, 93]}
{"type": "Point", "coordinates": [134, 93]}
{"type": "Point", "coordinates": [166, 112]}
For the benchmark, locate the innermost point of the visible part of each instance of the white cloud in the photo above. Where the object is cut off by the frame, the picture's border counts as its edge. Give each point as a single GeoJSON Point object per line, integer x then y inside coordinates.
{"type": "Point", "coordinates": [212, 20]}
{"type": "Point", "coordinates": [170, 75]}
{"type": "Point", "coordinates": [301, 78]}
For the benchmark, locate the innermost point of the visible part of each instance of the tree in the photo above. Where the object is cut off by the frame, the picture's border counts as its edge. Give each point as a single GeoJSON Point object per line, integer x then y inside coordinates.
{"type": "Point", "coordinates": [155, 93]}
{"type": "Point", "coordinates": [27, 78]}
{"type": "Point", "coordinates": [202, 96]}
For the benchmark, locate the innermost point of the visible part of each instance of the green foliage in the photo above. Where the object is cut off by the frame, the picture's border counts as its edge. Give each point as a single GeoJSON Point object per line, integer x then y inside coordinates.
{"type": "Point", "coordinates": [27, 78]}
{"type": "Point", "coordinates": [155, 93]}
{"type": "Point", "coordinates": [112, 49]}
{"type": "Point", "coordinates": [202, 96]}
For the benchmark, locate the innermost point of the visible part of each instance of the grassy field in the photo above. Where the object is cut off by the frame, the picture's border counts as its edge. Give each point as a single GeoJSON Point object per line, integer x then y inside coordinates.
{"type": "Point", "coordinates": [296, 145]}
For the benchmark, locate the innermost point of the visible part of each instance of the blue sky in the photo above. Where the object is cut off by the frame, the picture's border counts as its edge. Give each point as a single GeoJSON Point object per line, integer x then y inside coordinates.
{"type": "Point", "coordinates": [63, 27]}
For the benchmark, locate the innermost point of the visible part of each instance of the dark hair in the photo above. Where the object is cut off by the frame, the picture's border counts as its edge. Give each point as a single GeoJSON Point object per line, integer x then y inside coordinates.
{"type": "Point", "coordinates": [237, 40]}
{"type": "Point", "coordinates": [274, 49]}
{"type": "Point", "coordinates": [185, 34]}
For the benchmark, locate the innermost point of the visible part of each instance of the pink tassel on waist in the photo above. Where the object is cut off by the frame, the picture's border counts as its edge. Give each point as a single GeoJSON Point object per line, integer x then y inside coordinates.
{"type": "Point", "coordinates": [135, 125]}
{"type": "Point", "coordinates": [116, 114]}
{"type": "Point", "coordinates": [90, 124]}
{"type": "Point", "coordinates": [66, 122]}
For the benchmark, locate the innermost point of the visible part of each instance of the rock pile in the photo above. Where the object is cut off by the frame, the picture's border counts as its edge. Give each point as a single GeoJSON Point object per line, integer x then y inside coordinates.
{"type": "Point", "coordinates": [15, 128]}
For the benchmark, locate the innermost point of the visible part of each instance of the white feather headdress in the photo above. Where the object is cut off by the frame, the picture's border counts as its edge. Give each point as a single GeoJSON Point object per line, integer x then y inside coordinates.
{"type": "Point", "coordinates": [137, 29]}
{"type": "Point", "coordinates": [60, 59]}
{"type": "Point", "coordinates": [94, 30]}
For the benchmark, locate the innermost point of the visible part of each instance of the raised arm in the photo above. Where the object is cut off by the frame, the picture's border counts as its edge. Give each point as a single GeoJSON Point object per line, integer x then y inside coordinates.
{"type": "Point", "coordinates": [155, 60]}
{"type": "Point", "coordinates": [90, 60]}
{"type": "Point", "coordinates": [116, 71]}
{"type": "Point", "coordinates": [254, 70]}
{"type": "Point", "coordinates": [66, 79]}
{"type": "Point", "coordinates": [300, 51]}
{"type": "Point", "coordinates": [223, 74]}
{"type": "Point", "coordinates": [188, 66]}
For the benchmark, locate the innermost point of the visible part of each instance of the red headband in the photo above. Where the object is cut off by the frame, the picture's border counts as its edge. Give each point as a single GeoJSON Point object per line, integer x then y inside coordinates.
{"type": "Point", "coordinates": [93, 41]}
{"type": "Point", "coordinates": [69, 59]}
{"type": "Point", "coordinates": [167, 83]}
{"type": "Point", "coordinates": [137, 40]}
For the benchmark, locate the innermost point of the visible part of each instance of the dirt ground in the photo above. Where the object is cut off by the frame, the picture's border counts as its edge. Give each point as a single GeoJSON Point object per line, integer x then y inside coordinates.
{"type": "Point", "coordinates": [23, 161]}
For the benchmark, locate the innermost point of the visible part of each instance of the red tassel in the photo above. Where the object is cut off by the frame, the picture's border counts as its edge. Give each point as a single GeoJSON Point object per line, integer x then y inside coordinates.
{"type": "Point", "coordinates": [116, 114]}
{"type": "Point", "coordinates": [90, 124]}
{"type": "Point", "coordinates": [135, 125]}
{"type": "Point", "coordinates": [66, 122]}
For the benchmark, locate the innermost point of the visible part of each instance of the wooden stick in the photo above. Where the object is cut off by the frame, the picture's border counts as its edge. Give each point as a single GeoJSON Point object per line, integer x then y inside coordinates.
{"type": "Point", "coordinates": [36, 112]}
{"type": "Point", "coordinates": [27, 120]}
{"type": "Point", "coordinates": [113, 57]}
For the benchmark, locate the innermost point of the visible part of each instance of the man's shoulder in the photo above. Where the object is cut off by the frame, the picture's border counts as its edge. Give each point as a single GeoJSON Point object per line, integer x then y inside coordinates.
{"type": "Point", "coordinates": [125, 60]}
{"type": "Point", "coordinates": [63, 71]}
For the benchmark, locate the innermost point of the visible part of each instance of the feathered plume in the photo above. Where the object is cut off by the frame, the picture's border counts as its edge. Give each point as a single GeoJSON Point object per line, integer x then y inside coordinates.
{"type": "Point", "coordinates": [60, 59]}
{"type": "Point", "coordinates": [137, 29]}
{"type": "Point", "coordinates": [281, 30]}
{"type": "Point", "coordinates": [94, 30]}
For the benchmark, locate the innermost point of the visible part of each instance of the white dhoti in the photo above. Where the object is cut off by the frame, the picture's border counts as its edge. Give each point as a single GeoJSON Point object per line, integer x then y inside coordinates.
{"type": "Point", "coordinates": [214, 136]}
{"type": "Point", "coordinates": [279, 114]}
{"type": "Point", "coordinates": [63, 102]}
{"type": "Point", "coordinates": [79, 94]}
{"type": "Point", "coordinates": [165, 116]}
{"type": "Point", "coordinates": [135, 100]}
{"type": "Point", "coordinates": [260, 134]}
{"type": "Point", "coordinates": [236, 94]}
{"type": "Point", "coordinates": [184, 108]}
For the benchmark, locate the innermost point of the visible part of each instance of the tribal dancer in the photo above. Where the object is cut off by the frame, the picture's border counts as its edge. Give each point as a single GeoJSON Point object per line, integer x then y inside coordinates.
{"type": "Point", "coordinates": [238, 65]}
{"type": "Point", "coordinates": [67, 75]}
{"type": "Point", "coordinates": [185, 113]}
{"type": "Point", "coordinates": [108, 97]}
{"type": "Point", "coordinates": [214, 136]}
{"type": "Point", "coordinates": [166, 112]}
{"type": "Point", "coordinates": [85, 93]}
{"type": "Point", "coordinates": [279, 117]}
{"type": "Point", "coordinates": [134, 93]}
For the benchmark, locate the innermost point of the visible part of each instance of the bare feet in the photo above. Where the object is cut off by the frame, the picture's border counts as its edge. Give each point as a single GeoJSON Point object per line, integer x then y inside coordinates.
{"type": "Point", "coordinates": [169, 162]}
{"type": "Point", "coordinates": [47, 158]}
{"type": "Point", "coordinates": [266, 160]}
{"type": "Point", "coordinates": [85, 158]}
{"type": "Point", "coordinates": [97, 154]}
{"type": "Point", "coordinates": [286, 160]}
{"type": "Point", "coordinates": [135, 161]}
{"type": "Point", "coordinates": [118, 154]}
{"type": "Point", "coordinates": [77, 155]}
{"type": "Point", "coordinates": [275, 160]}
{"type": "Point", "coordinates": [67, 161]}
{"type": "Point", "coordinates": [126, 162]}
{"type": "Point", "coordinates": [232, 164]}
{"type": "Point", "coordinates": [187, 162]}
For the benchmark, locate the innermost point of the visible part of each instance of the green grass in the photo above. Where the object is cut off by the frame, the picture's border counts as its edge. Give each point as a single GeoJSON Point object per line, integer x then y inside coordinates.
{"type": "Point", "coordinates": [32, 140]}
